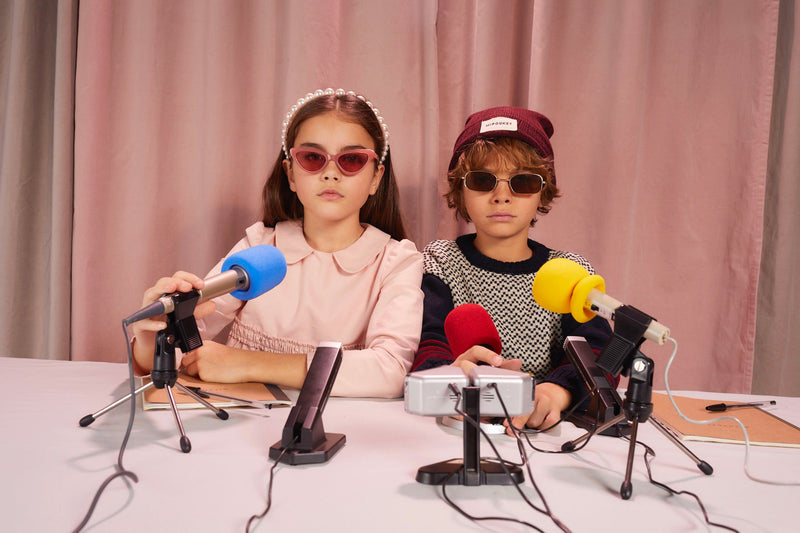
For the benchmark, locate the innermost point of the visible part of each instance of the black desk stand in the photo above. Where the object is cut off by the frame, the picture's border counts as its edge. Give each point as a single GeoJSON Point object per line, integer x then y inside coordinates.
{"type": "Point", "coordinates": [181, 330]}
{"type": "Point", "coordinates": [471, 471]}
{"type": "Point", "coordinates": [622, 355]}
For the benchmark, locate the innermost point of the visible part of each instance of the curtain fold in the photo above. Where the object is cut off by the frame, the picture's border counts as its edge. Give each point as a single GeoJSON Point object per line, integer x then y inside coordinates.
{"type": "Point", "coordinates": [777, 335]}
{"type": "Point", "coordinates": [37, 62]}
{"type": "Point", "coordinates": [676, 128]}
{"type": "Point", "coordinates": [662, 140]}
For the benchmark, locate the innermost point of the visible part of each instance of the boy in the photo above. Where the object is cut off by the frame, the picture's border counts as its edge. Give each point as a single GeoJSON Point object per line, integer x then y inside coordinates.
{"type": "Point", "coordinates": [501, 175]}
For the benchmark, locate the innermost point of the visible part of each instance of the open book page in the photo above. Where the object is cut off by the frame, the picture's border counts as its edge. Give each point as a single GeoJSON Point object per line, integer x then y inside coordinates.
{"type": "Point", "coordinates": [265, 394]}
{"type": "Point", "coordinates": [763, 427]}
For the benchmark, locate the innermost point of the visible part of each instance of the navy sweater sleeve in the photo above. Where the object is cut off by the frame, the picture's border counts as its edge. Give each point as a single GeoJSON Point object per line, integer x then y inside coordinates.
{"type": "Point", "coordinates": [434, 349]}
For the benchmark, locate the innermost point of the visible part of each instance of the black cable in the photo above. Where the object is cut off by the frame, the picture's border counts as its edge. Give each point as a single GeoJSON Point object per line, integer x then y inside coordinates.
{"type": "Point", "coordinates": [269, 488]}
{"type": "Point", "coordinates": [503, 463]}
{"type": "Point", "coordinates": [120, 469]}
{"type": "Point", "coordinates": [461, 511]}
{"type": "Point", "coordinates": [650, 453]}
{"type": "Point", "coordinates": [526, 432]}
{"type": "Point", "coordinates": [451, 503]}
{"type": "Point", "coordinates": [524, 458]}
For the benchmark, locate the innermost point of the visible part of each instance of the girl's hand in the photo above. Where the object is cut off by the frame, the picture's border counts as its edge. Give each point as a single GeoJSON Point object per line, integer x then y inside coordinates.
{"type": "Point", "coordinates": [218, 363]}
{"type": "Point", "coordinates": [144, 331]}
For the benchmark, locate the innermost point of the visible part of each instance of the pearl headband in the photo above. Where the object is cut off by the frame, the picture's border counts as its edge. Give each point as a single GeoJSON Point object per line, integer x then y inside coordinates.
{"type": "Point", "coordinates": [338, 92]}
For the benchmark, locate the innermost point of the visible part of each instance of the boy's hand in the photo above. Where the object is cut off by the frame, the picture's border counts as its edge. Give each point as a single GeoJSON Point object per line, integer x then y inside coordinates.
{"type": "Point", "coordinates": [480, 354]}
{"type": "Point", "coordinates": [549, 401]}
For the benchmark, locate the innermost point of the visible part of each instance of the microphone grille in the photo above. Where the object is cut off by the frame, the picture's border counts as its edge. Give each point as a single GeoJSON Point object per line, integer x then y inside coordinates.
{"type": "Point", "coordinates": [264, 265]}
{"type": "Point", "coordinates": [554, 283]}
{"type": "Point", "coordinates": [470, 325]}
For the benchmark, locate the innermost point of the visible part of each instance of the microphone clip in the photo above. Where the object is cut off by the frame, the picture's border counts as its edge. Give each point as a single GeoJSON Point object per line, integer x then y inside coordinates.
{"type": "Point", "coordinates": [182, 331]}
{"type": "Point", "coordinates": [630, 325]}
{"type": "Point", "coordinates": [186, 332]}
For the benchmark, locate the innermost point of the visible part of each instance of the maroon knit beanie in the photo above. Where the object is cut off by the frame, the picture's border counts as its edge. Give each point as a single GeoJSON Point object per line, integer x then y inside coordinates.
{"type": "Point", "coordinates": [528, 126]}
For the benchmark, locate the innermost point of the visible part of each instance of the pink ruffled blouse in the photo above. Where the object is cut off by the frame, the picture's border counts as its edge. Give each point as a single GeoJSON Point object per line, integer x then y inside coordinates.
{"type": "Point", "coordinates": [366, 296]}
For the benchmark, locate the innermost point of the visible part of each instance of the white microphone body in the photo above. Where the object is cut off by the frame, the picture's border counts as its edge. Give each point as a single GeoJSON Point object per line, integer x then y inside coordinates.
{"type": "Point", "coordinates": [605, 306]}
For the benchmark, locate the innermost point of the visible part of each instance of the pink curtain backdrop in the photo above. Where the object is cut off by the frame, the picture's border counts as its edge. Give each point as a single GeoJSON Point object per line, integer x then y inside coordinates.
{"type": "Point", "coordinates": [662, 112]}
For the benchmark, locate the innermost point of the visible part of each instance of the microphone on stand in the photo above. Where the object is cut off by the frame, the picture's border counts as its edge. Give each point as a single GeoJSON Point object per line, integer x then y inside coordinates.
{"type": "Point", "coordinates": [564, 286]}
{"type": "Point", "coordinates": [246, 275]}
{"type": "Point", "coordinates": [487, 391]}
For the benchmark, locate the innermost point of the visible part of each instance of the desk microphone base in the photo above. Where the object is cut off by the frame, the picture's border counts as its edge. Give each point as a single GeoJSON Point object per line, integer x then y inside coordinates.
{"type": "Point", "coordinates": [621, 428]}
{"type": "Point", "coordinates": [471, 470]}
{"type": "Point", "coordinates": [453, 472]}
{"type": "Point", "coordinates": [320, 454]}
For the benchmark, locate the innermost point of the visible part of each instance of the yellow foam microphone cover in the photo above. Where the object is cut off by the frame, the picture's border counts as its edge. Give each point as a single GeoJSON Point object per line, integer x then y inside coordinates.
{"type": "Point", "coordinates": [562, 286]}
{"type": "Point", "coordinates": [554, 283]}
{"type": "Point", "coordinates": [580, 297]}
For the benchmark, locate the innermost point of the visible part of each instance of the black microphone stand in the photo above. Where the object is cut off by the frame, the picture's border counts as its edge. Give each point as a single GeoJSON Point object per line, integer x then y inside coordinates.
{"type": "Point", "coordinates": [471, 470]}
{"type": "Point", "coordinates": [622, 355]}
{"type": "Point", "coordinates": [182, 331]}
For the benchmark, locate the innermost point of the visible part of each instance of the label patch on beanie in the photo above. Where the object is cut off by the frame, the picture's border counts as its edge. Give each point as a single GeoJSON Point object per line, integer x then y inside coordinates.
{"type": "Point", "coordinates": [499, 124]}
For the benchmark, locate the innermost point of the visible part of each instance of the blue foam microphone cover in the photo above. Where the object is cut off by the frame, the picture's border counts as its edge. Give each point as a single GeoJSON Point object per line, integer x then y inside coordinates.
{"type": "Point", "coordinates": [264, 265]}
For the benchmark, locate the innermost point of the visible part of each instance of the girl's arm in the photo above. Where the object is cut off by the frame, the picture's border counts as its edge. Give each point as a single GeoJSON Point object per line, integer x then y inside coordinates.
{"type": "Point", "coordinates": [392, 333]}
{"type": "Point", "coordinates": [225, 364]}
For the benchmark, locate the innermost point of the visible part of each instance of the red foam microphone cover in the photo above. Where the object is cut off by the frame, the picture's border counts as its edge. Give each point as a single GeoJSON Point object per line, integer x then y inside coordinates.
{"type": "Point", "coordinates": [470, 325]}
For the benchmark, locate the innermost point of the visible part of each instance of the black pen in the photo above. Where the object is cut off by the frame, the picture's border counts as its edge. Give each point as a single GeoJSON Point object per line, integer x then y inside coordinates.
{"type": "Point", "coordinates": [204, 393]}
{"type": "Point", "coordinates": [725, 406]}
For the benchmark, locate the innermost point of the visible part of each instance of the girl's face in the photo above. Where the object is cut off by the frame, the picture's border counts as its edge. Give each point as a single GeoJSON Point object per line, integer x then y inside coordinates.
{"type": "Point", "coordinates": [500, 214]}
{"type": "Point", "coordinates": [328, 195]}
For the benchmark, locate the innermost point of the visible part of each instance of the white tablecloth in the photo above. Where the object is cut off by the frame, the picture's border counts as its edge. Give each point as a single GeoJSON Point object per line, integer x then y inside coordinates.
{"type": "Point", "coordinates": [51, 468]}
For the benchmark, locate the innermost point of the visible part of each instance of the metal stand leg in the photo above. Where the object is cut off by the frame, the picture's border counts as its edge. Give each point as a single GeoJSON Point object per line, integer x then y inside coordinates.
{"type": "Point", "coordinates": [88, 419]}
{"type": "Point", "coordinates": [165, 375]}
{"type": "Point", "coordinates": [571, 445]}
{"type": "Point", "coordinates": [626, 488]}
{"type": "Point", "coordinates": [185, 444]}
{"type": "Point", "coordinates": [702, 465]}
{"type": "Point", "coordinates": [637, 408]}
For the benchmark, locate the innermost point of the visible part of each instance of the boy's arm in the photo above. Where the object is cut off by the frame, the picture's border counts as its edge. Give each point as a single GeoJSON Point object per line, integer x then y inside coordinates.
{"type": "Point", "coordinates": [434, 349]}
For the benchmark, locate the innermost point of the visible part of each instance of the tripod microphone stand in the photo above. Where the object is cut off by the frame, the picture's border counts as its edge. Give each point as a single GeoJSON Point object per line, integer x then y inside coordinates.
{"type": "Point", "coordinates": [182, 331]}
{"type": "Point", "coordinates": [622, 355]}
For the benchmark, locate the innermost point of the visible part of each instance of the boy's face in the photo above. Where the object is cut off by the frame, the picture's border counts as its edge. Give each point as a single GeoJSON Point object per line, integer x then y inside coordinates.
{"type": "Point", "coordinates": [501, 214]}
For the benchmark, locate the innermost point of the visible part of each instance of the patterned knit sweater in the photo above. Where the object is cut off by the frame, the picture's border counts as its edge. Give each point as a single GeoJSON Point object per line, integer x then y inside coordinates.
{"type": "Point", "coordinates": [455, 273]}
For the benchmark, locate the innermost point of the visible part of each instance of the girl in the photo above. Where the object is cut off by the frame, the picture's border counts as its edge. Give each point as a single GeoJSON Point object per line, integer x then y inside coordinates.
{"type": "Point", "coordinates": [501, 176]}
{"type": "Point", "coordinates": [331, 207]}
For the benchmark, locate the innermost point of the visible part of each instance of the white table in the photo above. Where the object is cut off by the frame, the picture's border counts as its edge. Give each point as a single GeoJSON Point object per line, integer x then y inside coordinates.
{"type": "Point", "coordinates": [51, 468]}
